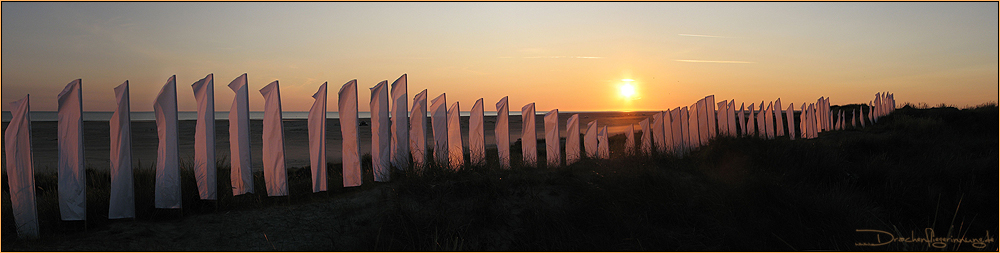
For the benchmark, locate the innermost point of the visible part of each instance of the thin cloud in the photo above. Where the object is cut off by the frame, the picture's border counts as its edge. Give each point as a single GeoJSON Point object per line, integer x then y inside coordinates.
{"type": "Point", "coordinates": [560, 57]}
{"type": "Point", "coordinates": [706, 61]}
{"type": "Point", "coordinates": [701, 35]}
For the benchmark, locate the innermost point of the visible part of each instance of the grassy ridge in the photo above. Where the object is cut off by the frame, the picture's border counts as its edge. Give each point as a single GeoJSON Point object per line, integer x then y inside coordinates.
{"type": "Point", "coordinates": [917, 168]}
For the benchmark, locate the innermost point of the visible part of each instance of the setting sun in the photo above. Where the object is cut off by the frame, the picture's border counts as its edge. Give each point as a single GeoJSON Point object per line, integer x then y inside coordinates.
{"type": "Point", "coordinates": [627, 90]}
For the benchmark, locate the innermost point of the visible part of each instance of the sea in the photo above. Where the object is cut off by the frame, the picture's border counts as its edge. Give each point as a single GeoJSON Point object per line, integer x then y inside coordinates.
{"type": "Point", "coordinates": [192, 115]}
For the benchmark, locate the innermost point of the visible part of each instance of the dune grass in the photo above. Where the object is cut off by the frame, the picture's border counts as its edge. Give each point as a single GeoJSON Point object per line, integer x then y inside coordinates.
{"type": "Point", "coordinates": [915, 169]}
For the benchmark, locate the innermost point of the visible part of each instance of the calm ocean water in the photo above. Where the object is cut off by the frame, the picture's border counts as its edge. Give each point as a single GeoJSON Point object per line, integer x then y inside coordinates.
{"type": "Point", "coordinates": [191, 115]}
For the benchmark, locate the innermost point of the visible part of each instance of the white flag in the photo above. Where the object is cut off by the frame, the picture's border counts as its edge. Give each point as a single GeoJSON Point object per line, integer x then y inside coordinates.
{"type": "Point", "coordinates": [72, 177]}
{"type": "Point", "coordinates": [657, 129]}
{"type": "Point", "coordinates": [400, 144]}
{"type": "Point", "coordinates": [204, 138]}
{"type": "Point", "coordinates": [241, 171]}
{"type": "Point", "coordinates": [381, 154]}
{"type": "Point", "coordinates": [502, 133]}
{"type": "Point", "coordinates": [731, 114]}
{"type": "Point", "coordinates": [20, 173]}
{"type": "Point", "coordinates": [602, 144]}
{"type": "Point", "coordinates": [439, 124]}
{"type": "Point", "coordinates": [455, 148]}
{"type": "Point", "coordinates": [789, 114]}
{"type": "Point", "coordinates": [769, 120]}
{"type": "Point", "coordinates": [317, 139]}
{"type": "Point", "coordinates": [704, 122]}
{"type": "Point", "coordinates": [275, 176]}
{"type": "Point", "coordinates": [590, 140]}
{"type": "Point", "coordinates": [418, 130]}
{"type": "Point", "coordinates": [168, 178]}
{"type": "Point", "coordinates": [722, 118]}
{"type": "Point", "coordinates": [347, 107]}
{"type": "Point", "coordinates": [122, 201]}
{"type": "Point", "coordinates": [630, 139]}
{"type": "Point", "coordinates": [803, 118]}
{"type": "Point", "coordinates": [743, 121]}
{"type": "Point", "coordinates": [573, 139]}
{"type": "Point", "coordinates": [668, 132]}
{"type": "Point", "coordinates": [761, 122]}
{"type": "Point", "coordinates": [710, 117]}
{"type": "Point", "coordinates": [552, 149]}
{"type": "Point", "coordinates": [693, 121]}
{"type": "Point", "coordinates": [676, 130]}
{"type": "Point", "coordinates": [689, 128]}
{"type": "Point", "coordinates": [529, 149]}
{"type": "Point", "coordinates": [820, 116]}
{"type": "Point", "coordinates": [477, 141]}
{"type": "Point", "coordinates": [779, 125]}
{"type": "Point", "coordinates": [646, 141]}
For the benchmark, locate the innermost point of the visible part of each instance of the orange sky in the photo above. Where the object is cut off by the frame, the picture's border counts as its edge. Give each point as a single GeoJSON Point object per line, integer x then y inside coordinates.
{"type": "Point", "coordinates": [570, 56]}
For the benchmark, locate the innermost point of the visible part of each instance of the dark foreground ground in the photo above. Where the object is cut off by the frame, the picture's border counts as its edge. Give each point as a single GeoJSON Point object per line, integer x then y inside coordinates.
{"type": "Point", "coordinates": [917, 169]}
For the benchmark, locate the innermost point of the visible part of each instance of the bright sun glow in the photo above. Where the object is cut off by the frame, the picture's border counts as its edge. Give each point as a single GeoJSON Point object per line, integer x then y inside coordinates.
{"type": "Point", "coordinates": [627, 90]}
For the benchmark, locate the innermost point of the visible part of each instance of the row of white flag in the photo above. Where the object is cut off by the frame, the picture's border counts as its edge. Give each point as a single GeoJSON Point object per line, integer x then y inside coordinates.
{"type": "Point", "coordinates": [394, 142]}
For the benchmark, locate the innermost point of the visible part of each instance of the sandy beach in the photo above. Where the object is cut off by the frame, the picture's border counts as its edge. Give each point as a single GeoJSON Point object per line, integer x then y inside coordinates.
{"type": "Point", "coordinates": [144, 139]}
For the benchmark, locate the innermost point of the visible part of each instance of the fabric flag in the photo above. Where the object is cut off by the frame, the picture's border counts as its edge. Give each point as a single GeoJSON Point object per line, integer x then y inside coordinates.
{"type": "Point", "coordinates": [168, 178]}
{"type": "Point", "coordinates": [751, 125]}
{"type": "Point", "coordinates": [761, 121]}
{"type": "Point", "coordinates": [710, 117]}
{"type": "Point", "coordinates": [813, 128]}
{"type": "Point", "coordinates": [439, 125]}
{"type": "Point", "coordinates": [400, 128]}
{"type": "Point", "coordinates": [573, 139]}
{"type": "Point", "coordinates": [381, 154]}
{"type": "Point", "coordinates": [347, 106]}
{"type": "Point", "coordinates": [861, 115]}
{"type": "Point", "coordinates": [658, 133]}
{"type": "Point", "coordinates": [668, 135]}
{"type": "Point", "coordinates": [418, 130]}
{"type": "Point", "coordinates": [803, 118]}
{"type": "Point", "coordinates": [204, 138]}
{"type": "Point", "coordinates": [704, 135]}
{"type": "Point", "coordinates": [779, 123]}
{"type": "Point", "coordinates": [590, 140]}
{"type": "Point", "coordinates": [275, 176]}
{"type": "Point", "coordinates": [692, 137]}
{"type": "Point", "coordinates": [241, 172]}
{"type": "Point", "coordinates": [646, 142]}
{"type": "Point", "coordinates": [552, 149]}
{"type": "Point", "coordinates": [871, 112]}
{"type": "Point", "coordinates": [602, 144]}
{"type": "Point", "coordinates": [789, 114]}
{"type": "Point", "coordinates": [769, 120]}
{"type": "Point", "coordinates": [743, 121]}
{"type": "Point", "coordinates": [820, 116]}
{"type": "Point", "coordinates": [122, 201]}
{"type": "Point", "coordinates": [731, 115]}
{"type": "Point", "coordinates": [676, 130]}
{"type": "Point", "coordinates": [692, 127]}
{"type": "Point", "coordinates": [502, 133]}
{"type": "Point", "coordinates": [529, 149]}
{"type": "Point", "coordinates": [722, 118]}
{"type": "Point", "coordinates": [455, 149]}
{"type": "Point", "coordinates": [72, 177]}
{"type": "Point", "coordinates": [854, 117]}
{"type": "Point", "coordinates": [477, 137]}
{"type": "Point", "coordinates": [317, 139]}
{"type": "Point", "coordinates": [630, 139]}
{"type": "Point", "coordinates": [20, 171]}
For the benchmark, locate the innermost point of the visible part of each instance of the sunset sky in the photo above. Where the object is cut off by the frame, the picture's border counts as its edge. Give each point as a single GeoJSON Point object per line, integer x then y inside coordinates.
{"type": "Point", "coordinates": [571, 56]}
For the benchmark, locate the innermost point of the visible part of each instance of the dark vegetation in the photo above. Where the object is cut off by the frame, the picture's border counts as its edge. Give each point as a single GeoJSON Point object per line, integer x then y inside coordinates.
{"type": "Point", "coordinates": [917, 168]}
